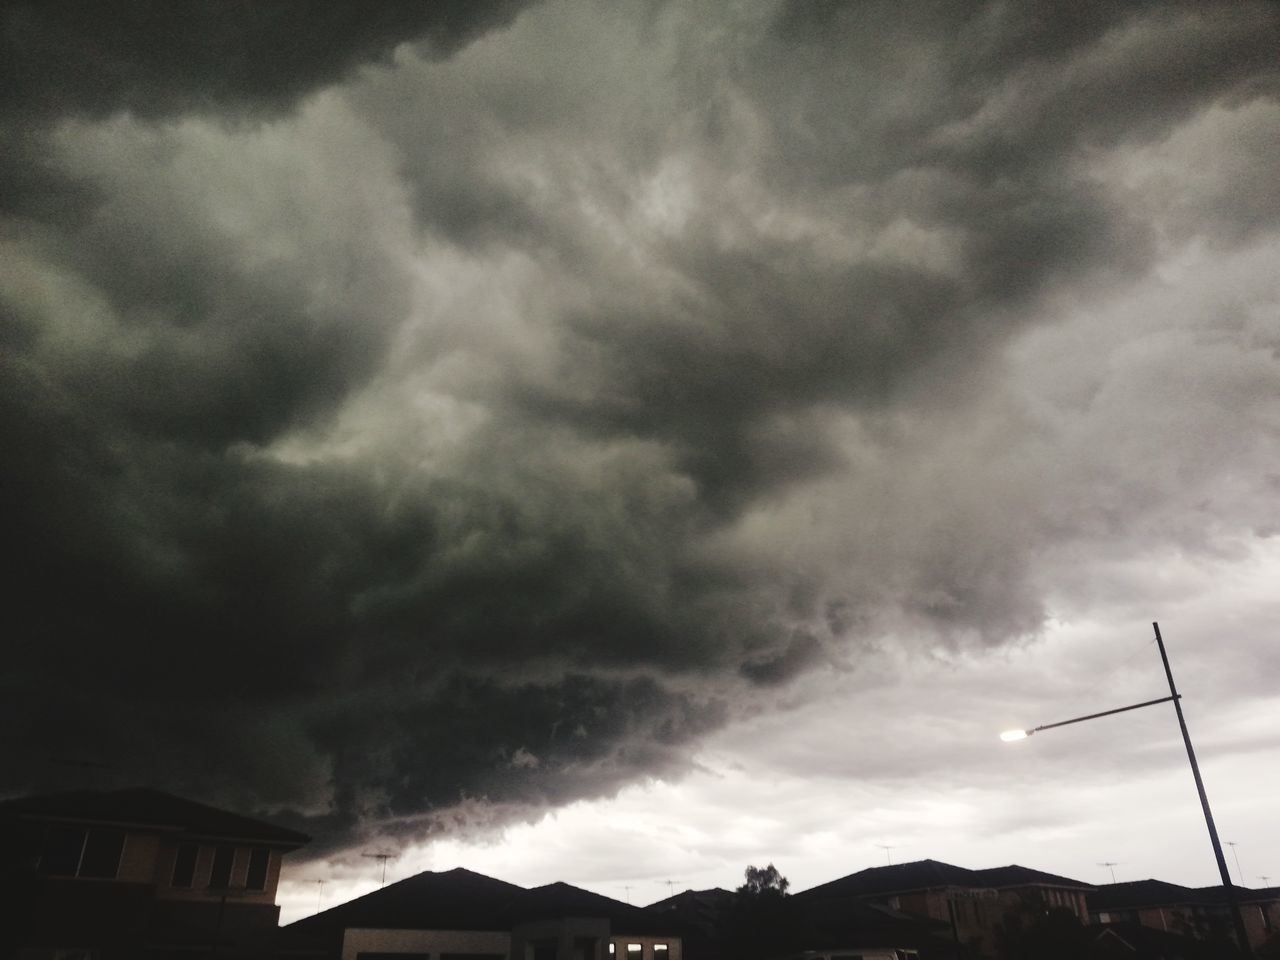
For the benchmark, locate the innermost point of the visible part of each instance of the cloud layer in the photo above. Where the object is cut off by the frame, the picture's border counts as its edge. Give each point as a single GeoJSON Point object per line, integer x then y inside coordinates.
{"type": "Point", "coordinates": [487, 425]}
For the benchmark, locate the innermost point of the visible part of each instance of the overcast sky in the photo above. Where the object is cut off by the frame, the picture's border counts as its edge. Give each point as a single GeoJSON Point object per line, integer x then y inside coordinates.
{"type": "Point", "coordinates": [618, 442]}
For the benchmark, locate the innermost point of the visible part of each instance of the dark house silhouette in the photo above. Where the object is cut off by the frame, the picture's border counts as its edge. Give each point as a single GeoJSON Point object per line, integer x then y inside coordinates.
{"type": "Point", "coordinates": [1199, 912]}
{"type": "Point", "coordinates": [972, 903]}
{"type": "Point", "coordinates": [717, 924]}
{"type": "Point", "coordinates": [461, 915]}
{"type": "Point", "coordinates": [138, 873]}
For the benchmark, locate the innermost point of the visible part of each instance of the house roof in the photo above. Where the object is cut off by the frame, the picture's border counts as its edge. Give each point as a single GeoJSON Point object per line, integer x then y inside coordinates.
{"type": "Point", "coordinates": [916, 875]}
{"type": "Point", "coordinates": [932, 874]}
{"type": "Point", "coordinates": [1014, 875]}
{"type": "Point", "coordinates": [1136, 894]}
{"type": "Point", "coordinates": [457, 899]}
{"type": "Point", "coordinates": [827, 922]}
{"type": "Point", "coordinates": [563, 900]}
{"type": "Point", "coordinates": [461, 899]}
{"type": "Point", "coordinates": [713, 896]}
{"type": "Point", "coordinates": [144, 807]}
{"type": "Point", "coordinates": [1134, 941]}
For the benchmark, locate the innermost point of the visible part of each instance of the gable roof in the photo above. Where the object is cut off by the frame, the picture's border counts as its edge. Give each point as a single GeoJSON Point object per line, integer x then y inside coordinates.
{"type": "Point", "coordinates": [693, 898]}
{"type": "Point", "coordinates": [1130, 939]}
{"type": "Point", "coordinates": [556, 900]}
{"type": "Point", "coordinates": [460, 899]}
{"type": "Point", "coordinates": [154, 809]}
{"type": "Point", "coordinates": [1134, 894]}
{"type": "Point", "coordinates": [933, 874]}
{"type": "Point", "coordinates": [1014, 875]}
{"type": "Point", "coordinates": [457, 899]}
{"type": "Point", "coordinates": [916, 875]}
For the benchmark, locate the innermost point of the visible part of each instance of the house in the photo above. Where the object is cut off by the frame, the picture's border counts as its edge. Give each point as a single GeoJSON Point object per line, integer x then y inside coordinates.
{"type": "Point", "coordinates": [138, 873]}
{"type": "Point", "coordinates": [701, 917]}
{"type": "Point", "coordinates": [716, 923]}
{"type": "Point", "coordinates": [1200, 912]}
{"type": "Point", "coordinates": [461, 915]}
{"type": "Point", "coordinates": [1125, 940]}
{"type": "Point", "coordinates": [972, 903]}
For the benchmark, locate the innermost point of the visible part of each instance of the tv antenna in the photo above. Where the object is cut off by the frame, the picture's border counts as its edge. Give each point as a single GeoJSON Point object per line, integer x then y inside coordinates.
{"type": "Point", "coordinates": [319, 892]}
{"type": "Point", "coordinates": [1266, 880]}
{"type": "Point", "coordinates": [1236, 854]}
{"type": "Point", "coordinates": [383, 857]}
{"type": "Point", "coordinates": [1110, 865]}
{"type": "Point", "coordinates": [671, 886]}
{"type": "Point", "coordinates": [627, 888]}
{"type": "Point", "coordinates": [887, 847]}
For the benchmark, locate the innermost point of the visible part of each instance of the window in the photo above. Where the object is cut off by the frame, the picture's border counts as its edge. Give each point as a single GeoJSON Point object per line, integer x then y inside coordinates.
{"type": "Point", "coordinates": [259, 859]}
{"type": "Point", "coordinates": [76, 852]}
{"type": "Point", "coordinates": [224, 857]}
{"type": "Point", "coordinates": [61, 854]}
{"type": "Point", "coordinates": [634, 950]}
{"type": "Point", "coordinates": [184, 865]}
{"type": "Point", "coordinates": [613, 949]}
{"type": "Point", "coordinates": [102, 850]}
{"type": "Point", "coordinates": [660, 951]}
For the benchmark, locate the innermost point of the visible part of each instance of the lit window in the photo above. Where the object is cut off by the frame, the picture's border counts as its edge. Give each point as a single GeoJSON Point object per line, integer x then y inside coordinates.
{"type": "Point", "coordinates": [634, 951]}
{"type": "Point", "coordinates": [660, 951]}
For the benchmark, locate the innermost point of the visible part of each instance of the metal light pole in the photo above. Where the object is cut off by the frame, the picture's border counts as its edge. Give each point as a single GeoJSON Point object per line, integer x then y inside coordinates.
{"type": "Point", "coordinates": [1242, 937]}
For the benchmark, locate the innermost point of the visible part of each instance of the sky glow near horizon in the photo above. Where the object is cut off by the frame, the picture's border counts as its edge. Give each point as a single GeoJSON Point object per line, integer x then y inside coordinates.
{"type": "Point", "coordinates": [623, 442]}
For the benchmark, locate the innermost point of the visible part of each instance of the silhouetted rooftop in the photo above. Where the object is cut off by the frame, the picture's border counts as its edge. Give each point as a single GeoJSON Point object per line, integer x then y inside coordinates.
{"type": "Point", "coordinates": [460, 899]}
{"type": "Point", "coordinates": [712, 895]}
{"type": "Point", "coordinates": [557, 900]}
{"type": "Point", "coordinates": [1014, 875]}
{"type": "Point", "coordinates": [931, 874]}
{"type": "Point", "coordinates": [1133, 941]}
{"type": "Point", "coordinates": [144, 807]}
{"type": "Point", "coordinates": [457, 899]}
{"type": "Point", "coordinates": [1157, 893]}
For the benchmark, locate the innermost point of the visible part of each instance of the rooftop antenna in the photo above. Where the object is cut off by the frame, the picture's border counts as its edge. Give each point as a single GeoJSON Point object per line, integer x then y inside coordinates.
{"type": "Point", "coordinates": [319, 892]}
{"type": "Point", "coordinates": [1110, 865]}
{"type": "Point", "coordinates": [1236, 854]}
{"type": "Point", "coordinates": [627, 887]}
{"type": "Point", "coordinates": [886, 847]}
{"type": "Point", "coordinates": [384, 857]}
{"type": "Point", "coordinates": [1266, 881]}
{"type": "Point", "coordinates": [671, 886]}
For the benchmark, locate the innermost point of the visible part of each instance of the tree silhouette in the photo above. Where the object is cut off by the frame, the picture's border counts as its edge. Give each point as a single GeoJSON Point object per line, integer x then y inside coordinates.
{"type": "Point", "coordinates": [760, 924]}
{"type": "Point", "coordinates": [764, 881]}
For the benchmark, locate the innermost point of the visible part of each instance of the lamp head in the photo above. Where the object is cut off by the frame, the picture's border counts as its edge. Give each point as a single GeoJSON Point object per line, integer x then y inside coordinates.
{"type": "Point", "coordinates": [1011, 735]}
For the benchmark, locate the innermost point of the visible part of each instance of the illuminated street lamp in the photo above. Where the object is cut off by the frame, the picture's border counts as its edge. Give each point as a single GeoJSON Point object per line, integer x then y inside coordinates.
{"type": "Point", "coordinates": [1011, 735]}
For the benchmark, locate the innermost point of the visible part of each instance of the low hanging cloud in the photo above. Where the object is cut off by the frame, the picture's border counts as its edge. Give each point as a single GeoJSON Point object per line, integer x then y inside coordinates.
{"type": "Point", "coordinates": [480, 430]}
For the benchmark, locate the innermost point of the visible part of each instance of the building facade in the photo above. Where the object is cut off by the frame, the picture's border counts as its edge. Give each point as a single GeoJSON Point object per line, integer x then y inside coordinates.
{"type": "Point", "coordinates": [139, 873]}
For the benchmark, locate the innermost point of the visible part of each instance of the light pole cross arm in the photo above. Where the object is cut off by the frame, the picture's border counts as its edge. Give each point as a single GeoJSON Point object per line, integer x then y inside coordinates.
{"type": "Point", "coordinates": [1105, 713]}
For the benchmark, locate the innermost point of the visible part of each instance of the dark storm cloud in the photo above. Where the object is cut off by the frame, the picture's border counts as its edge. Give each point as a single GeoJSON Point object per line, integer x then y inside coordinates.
{"type": "Point", "coordinates": [158, 58]}
{"type": "Point", "coordinates": [462, 434]}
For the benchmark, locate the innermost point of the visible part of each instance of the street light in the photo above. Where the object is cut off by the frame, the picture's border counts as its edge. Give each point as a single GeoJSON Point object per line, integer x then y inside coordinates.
{"type": "Point", "coordinates": [1237, 918]}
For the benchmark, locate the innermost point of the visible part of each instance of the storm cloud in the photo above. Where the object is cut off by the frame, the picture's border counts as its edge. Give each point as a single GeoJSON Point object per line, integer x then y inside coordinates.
{"type": "Point", "coordinates": [410, 407]}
